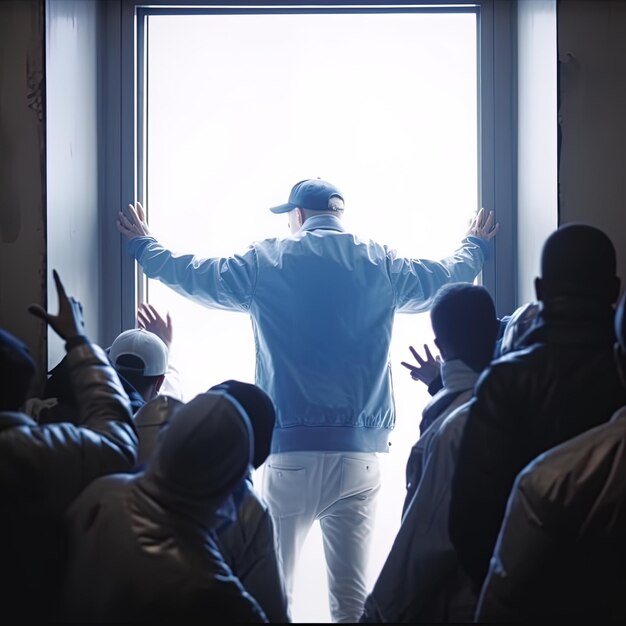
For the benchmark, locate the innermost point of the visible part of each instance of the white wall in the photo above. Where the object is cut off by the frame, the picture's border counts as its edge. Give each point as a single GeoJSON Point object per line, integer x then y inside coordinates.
{"type": "Point", "coordinates": [537, 136]}
{"type": "Point", "coordinates": [72, 92]}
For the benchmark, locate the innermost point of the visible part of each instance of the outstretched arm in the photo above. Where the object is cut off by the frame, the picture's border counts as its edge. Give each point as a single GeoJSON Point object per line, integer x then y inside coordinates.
{"type": "Point", "coordinates": [67, 457]}
{"type": "Point", "coordinates": [68, 322]}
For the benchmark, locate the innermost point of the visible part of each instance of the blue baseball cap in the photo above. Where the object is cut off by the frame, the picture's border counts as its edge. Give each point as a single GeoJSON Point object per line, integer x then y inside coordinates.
{"type": "Point", "coordinates": [313, 194]}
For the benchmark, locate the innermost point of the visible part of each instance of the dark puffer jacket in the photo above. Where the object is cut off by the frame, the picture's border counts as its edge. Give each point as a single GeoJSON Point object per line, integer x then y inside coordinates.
{"type": "Point", "coordinates": [561, 552]}
{"type": "Point", "coordinates": [140, 545]}
{"type": "Point", "coordinates": [44, 467]}
{"type": "Point", "coordinates": [561, 385]}
{"type": "Point", "coordinates": [248, 545]}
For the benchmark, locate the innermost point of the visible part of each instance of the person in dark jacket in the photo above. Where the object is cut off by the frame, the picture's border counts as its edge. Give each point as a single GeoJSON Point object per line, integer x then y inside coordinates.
{"type": "Point", "coordinates": [464, 321]}
{"type": "Point", "coordinates": [561, 384]}
{"type": "Point", "coordinates": [247, 539]}
{"type": "Point", "coordinates": [561, 551]}
{"type": "Point", "coordinates": [141, 547]}
{"type": "Point", "coordinates": [44, 467]}
{"type": "Point", "coordinates": [421, 580]}
{"type": "Point", "coordinates": [245, 531]}
{"type": "Point", "coordinates": [142, 359]}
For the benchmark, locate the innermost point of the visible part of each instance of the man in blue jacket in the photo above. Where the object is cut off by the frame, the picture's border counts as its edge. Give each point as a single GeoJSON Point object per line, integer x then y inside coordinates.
{"type": "Point", "coordinates": [322, 304]}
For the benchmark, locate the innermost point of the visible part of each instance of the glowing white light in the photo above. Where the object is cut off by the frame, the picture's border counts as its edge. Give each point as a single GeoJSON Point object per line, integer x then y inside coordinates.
{"type": "Point", "coordinates": [240, 107]}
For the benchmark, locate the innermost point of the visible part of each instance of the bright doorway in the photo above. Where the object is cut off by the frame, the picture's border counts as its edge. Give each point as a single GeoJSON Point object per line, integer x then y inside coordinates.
{"type": "Point", "coordinates": [239, 107]}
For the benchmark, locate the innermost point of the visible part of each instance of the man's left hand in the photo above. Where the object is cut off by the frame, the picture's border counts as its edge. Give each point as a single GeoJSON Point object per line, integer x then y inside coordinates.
{"type": "Point", "coordinates": [133, 224]}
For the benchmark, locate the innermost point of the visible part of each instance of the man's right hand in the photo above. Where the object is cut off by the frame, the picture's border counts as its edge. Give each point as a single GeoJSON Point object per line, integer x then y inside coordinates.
{"type": "Point", "coordinates": [133, 224]}
{"type": "Point", "coordinates": [483, 226]}
{"type": "Point", "coordinates": [69, 320]}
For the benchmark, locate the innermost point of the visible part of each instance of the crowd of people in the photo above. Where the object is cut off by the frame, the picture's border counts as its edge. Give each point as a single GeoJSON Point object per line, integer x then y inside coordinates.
{"type": "Point", "coordinates": [126, 503]}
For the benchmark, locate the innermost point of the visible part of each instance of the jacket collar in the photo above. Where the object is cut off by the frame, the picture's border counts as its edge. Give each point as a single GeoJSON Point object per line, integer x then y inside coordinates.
{"type": "Point", "coordinates": [322, 222]}
{"type": "Point", "coordinates": [573, 322]}
{"type": "Point", "coordinates": [457, 375]}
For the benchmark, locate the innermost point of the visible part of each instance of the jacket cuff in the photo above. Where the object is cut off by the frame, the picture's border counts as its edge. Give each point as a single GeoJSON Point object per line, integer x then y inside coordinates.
{"type": "Point", "coordinates": [76, 340]}
{"type": "Point", "coordinates": [136, 246]}
{"type": "Point", "coordinates": [485, 245]}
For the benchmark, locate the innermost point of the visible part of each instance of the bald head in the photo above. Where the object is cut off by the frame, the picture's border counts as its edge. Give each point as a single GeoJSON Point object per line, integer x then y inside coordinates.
{"type": "Point", "coordinates": [578, 261]}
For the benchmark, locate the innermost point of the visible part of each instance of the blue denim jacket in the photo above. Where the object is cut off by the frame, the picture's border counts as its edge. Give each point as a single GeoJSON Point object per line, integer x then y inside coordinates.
{"type": "Point", "coordinates": [322, 304]}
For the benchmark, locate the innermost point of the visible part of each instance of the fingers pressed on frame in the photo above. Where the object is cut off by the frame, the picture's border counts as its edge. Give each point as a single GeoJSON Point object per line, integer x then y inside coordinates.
{"type": "Point", "coordinates": [141, 212]}
{"type": "Point", "coordinates": [134, 214]}
{"type": "Point", "coordinates": [125, 222]}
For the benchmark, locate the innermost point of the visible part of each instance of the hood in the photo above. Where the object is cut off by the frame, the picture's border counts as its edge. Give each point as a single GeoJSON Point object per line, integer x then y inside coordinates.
{"type": "Point", "coordinates": [261, 412]}
{"type": "Point", "coordinates": [151, 421]}
{"type": "Point", "coordinates": [202, 455]}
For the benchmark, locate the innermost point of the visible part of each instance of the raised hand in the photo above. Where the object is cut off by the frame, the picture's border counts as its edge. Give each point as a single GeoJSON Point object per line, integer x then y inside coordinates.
{"type": "Point", "coordinates": [427, 369]}
{"type": "Point", "coordinates": [483, 226]}
{"type": "Point", "coordinates": [133, 224]}
{"type": "Point", "coordinates": [69, 320]}
{"type": "Point", "coordinates": [149, 319]}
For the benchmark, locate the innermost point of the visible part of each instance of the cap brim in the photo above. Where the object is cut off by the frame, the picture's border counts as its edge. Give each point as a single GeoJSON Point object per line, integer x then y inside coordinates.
{"type": "Point", "coordinates": [283, 208]}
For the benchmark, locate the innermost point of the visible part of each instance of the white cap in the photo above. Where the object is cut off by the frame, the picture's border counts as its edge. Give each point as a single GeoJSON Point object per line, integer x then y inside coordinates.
{"type": "Point", "coordinates": [144, 345]}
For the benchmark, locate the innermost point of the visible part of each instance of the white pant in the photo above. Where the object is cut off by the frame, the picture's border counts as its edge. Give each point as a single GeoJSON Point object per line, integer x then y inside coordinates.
{"type": "Point", "coordinates": [339, 489]}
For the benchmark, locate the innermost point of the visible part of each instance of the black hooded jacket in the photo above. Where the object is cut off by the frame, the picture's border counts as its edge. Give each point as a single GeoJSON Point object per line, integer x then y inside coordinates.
{"type": "Point", "coordinates": [140, 545]}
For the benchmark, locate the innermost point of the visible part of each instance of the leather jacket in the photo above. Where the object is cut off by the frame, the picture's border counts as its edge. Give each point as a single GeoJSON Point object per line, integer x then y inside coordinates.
{"type": "Point", "coordinates": [560, 555]}
{"type": "Point", "coordinates": [561, 384]}
{"type": "Point", "coordinates": [44, 467]}
{"type": "Point", "coordinates": [135, 559]}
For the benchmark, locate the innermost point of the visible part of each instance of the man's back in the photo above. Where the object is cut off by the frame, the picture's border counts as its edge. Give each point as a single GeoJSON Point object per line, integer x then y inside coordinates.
{"type": "Point", "coordinates": [322, 305]}
{"type": "Point", "coordinates": [327, 341]}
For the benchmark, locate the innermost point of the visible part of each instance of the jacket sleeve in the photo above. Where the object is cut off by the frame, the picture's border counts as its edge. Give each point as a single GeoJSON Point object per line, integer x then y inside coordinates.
{"type": "Point", "coordinates": [415, 467]}
{"type": "Point", "coordinates": [565, 504]}
{"type": "Point", "coordinates": [485, 472]}
{"type": "Point", "coordinates": [416, 281]}
{"type": "Point", "coordinates": [57, 461]}
{"type": "Point", "coordinates": [524, 553]}
{"type": "Point", "coordinates": [262, 576]}
{"type": "Point", "coordinates": [422, 556]}
{"type": "Point", "coordinates": [222, 283]}
{"type": "Point", "coordinates": [248, 545]}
